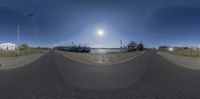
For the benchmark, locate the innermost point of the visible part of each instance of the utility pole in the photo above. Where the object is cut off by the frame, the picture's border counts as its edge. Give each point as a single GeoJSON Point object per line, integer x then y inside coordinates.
{"type": "Point", "coordinates": [85, 44]}
{"type": "Point", "coordinates": [18, 34]}
{"type": "Point", "coordinates": [18, 41]}
{"type": "Point", "coordinates": [120, 45]}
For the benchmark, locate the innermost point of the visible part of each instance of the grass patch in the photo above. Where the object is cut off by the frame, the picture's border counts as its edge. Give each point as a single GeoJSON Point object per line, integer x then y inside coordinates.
{"type": "Point", "coordinates": [188, 53]}
{"type": "Point", "coordinates": [22, 53]}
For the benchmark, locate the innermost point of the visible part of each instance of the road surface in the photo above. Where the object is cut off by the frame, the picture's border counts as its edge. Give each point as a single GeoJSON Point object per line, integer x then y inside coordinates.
{"type": "Point", "coordinates": [55, 77]}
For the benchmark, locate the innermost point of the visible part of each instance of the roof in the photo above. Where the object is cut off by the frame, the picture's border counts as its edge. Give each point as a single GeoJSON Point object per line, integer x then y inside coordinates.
{"type": "Point", "coordinates": [7, 44]}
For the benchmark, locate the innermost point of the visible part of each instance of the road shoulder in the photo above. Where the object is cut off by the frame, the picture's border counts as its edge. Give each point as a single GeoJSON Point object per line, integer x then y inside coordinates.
{"type": "Point", "coordinates": [183, 61]}
{"type": "Point", "coordinates": [15, 62]}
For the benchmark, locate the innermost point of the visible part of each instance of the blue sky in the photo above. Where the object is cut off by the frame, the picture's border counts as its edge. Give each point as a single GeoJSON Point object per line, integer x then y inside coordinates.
{"type": "Point", "coordinates": [59, 22]}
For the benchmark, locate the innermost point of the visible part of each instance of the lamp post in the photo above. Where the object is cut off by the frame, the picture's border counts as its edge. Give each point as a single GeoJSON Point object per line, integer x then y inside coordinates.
{"type": "Point", "coordinates": [18, 40]}
{"type": "Point", "coordinates": [18, 36]}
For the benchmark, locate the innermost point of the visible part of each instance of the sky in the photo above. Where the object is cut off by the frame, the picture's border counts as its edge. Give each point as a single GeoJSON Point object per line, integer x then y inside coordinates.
{"type": "Point", "coordinates": [60, 22]}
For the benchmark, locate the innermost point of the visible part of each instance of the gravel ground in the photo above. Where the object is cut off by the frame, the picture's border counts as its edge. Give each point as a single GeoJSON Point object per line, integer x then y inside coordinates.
{"type": "Point", "coordinates": [187, 62]}
{"type": "Point", "coordinates": [14, 62]}
{"type": "Point", "coordinates": [92, 58]}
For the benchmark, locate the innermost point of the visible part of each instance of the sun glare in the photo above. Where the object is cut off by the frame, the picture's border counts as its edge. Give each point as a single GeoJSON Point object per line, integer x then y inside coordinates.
{"type": "Point", "coordinates": [100, 32]}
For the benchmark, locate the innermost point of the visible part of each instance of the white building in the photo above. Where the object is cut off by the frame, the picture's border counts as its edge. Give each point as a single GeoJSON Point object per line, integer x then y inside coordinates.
{"type": "Point", "coordinates": [171, 49]}
{"type": "Point", "coordinates": [7, 47]}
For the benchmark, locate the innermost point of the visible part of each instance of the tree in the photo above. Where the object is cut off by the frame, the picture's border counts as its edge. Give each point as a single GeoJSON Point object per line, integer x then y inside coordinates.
{"type": "Point", "coordinates": [24, 46]}
{"type": "Point", "coordinates": [140, 47]}
{"type": "Point", "coordinates": [132, 46]}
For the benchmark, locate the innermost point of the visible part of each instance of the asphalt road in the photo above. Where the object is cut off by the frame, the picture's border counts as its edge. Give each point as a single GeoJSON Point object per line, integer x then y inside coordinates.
{"type": "Point", "coordinates": [55, 77]}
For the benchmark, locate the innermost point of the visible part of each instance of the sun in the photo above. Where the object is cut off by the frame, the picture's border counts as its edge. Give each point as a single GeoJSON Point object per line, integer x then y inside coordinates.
{"type": "Point", "coordinates": [100, 32]}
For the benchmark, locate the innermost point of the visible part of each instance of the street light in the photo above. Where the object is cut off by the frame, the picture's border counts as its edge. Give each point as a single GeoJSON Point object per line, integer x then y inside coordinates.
{"type": "Point", "coordinates": [18, 34]}
{"type": "Point", "coordinates": [18, 40]}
